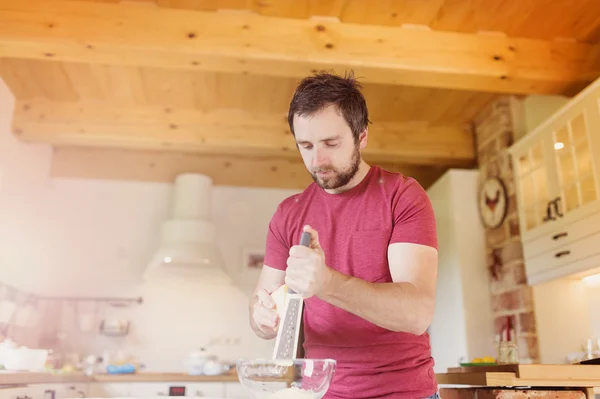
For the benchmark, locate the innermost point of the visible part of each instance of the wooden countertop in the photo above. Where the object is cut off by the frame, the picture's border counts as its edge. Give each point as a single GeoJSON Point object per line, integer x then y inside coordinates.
{"type": "Point", "coordinates": [524, 375]}
{"type": "Point", "coordinates": [164, 377]}
{"type": "Point", "coordinates": [25, 378]}
{"type": "Point", "coordinates": [533, 375]}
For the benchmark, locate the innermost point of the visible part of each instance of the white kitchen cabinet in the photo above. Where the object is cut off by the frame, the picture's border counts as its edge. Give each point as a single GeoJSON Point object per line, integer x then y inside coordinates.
{"type": "Point", "coordinates": [557, 176]}
{"type": "Point", "coordinates": [109, 389]}
{"type": "Point", "coordinates": [61, 391]}
{"type": "Point", "coordinates": [206, 389]}
{"type": "Point", "coordinates": [19, 393]}
{"type": "Point", "coordinates": [192, 389]}
{"type": "Point", "coordinates": [235, 390]}
{"type": "Point", "coordinates": [462, 324]}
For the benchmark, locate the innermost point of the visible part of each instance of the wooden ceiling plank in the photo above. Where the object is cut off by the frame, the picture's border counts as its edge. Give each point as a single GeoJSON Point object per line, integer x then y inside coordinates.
{"type": "Point", "coordinates": [53, 81]}
{"type": "Point", "coordinates": [18, 77]}
{"type": "Point", "coordinates": [84, 82]}
{"type": "Point", "coordinates": [125, 86]}
{"type": "Point", "coordinates": [543, 19]}
{"type": "Point", "coordinates": [245, 43]}
{"type": "Point", "coordinates": [224, 131]}
{"type": "Point", "coordinates": [19, 88]}
{"type": "Point", "coordinates": [391, 12]}
{"type": "Point", "coordinates": [164, 166]}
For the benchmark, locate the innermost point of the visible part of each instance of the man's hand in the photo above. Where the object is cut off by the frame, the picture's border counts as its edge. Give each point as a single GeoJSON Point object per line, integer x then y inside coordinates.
{"type": "Point", "coordinates": [307, 274]}
{"type": "Point", "coordinates": [264, 315]}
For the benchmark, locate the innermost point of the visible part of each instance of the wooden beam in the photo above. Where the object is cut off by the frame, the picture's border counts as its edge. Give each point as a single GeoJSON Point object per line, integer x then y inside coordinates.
{"type": "Point", "coordinates": [164, 166]}
{"type": "Point", "coordinates": [225, 131]}
{"type": "Point", "coordinates": [91, 32]}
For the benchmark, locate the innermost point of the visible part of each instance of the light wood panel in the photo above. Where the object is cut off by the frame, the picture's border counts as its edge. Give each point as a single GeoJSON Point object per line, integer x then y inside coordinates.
{"type": "Point", "coordinates": [245, 43]}
{"type": "Point", "coordinates": [532, 375]}
{"type": "Point", "coordinates": [164, 166]}
{"type": "Point", "coordinates": [137, 86]}
{"type": "Point", "coordinates": [539, 19]}
{"type": "Point", "coordinates": [225, 131]}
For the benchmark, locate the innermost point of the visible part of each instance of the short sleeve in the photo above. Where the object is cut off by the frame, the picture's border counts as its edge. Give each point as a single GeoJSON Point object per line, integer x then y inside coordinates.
{"type": "Point", "coordinates": [277, 248]}
{"type": "Point", "coordinates": [414, 218]}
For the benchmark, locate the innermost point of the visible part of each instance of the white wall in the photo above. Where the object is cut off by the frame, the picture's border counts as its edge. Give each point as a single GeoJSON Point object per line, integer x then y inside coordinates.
{"type": "Point", "coordinates": [563, 318]}
{"type": "Point", "coordinates": [93, 238]}
{"type": "Point", "coordinates": [593, 298]}
{"type": "Point", "coordinates": [462, 324]}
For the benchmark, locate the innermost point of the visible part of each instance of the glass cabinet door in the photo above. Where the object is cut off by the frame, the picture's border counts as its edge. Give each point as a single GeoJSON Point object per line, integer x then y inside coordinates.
{"type": "Point", "coordinates": [572, 156]}
{"type": "Point", "coordinates": [532, 179]}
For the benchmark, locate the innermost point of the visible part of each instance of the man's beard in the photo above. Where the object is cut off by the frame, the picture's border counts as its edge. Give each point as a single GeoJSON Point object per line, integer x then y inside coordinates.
{"type": "Point", "coordinates": [338, 178]}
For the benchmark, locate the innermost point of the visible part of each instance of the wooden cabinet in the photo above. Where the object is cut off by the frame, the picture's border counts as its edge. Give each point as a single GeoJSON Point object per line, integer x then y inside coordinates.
{"type": "Point", "coordinates": [557, 177]}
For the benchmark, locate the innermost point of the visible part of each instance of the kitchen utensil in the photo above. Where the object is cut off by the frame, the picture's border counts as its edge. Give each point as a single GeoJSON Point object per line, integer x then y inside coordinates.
{"type": "Point", "coordinates": [288, 334]}
{"type": "Point", "coordinates": [286, 378]}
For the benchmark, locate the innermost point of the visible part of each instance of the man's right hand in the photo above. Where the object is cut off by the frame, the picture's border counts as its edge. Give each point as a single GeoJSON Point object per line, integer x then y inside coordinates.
{"type": "Point", "coordinates": [264, 315]}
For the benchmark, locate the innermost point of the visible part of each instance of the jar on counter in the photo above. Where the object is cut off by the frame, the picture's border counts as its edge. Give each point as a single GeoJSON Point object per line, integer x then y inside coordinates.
{"type": "Point", "coordinates": [508, 353]}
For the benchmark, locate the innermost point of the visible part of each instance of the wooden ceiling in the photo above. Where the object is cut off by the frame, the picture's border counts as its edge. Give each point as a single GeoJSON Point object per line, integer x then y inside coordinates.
{"type": "Point", "coordinates": [147, 89]}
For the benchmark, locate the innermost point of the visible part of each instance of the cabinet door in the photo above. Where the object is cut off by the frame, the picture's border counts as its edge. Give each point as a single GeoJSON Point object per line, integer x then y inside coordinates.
{"type": "Point", "coordinates": [576, 177]}
{"type": "Point", "coordinates": [535, 187]}
{"type": "Point", "coordinates": [235, 390]}
{"type": "Point", "coordinates": [151, 389]}
{"type": "Point", "coordinates": [22, 393]}
{"type": "Point", "coordinates": [206, 389]}
{"type": "Point", "coordinates": [109, 389]}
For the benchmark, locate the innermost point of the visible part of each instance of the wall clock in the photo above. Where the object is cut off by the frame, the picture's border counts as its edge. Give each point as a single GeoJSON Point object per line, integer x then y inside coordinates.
{"type": "Point", "coordinates": [493, 202]}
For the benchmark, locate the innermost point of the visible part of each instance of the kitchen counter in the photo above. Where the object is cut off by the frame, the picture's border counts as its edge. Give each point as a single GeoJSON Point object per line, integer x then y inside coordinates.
{"type": "Point", "coordinates": [557, 375]}
{"type": "Point", "coordinates": [528, 377]}
{"type": "Point", "coordinates": [26, 378]}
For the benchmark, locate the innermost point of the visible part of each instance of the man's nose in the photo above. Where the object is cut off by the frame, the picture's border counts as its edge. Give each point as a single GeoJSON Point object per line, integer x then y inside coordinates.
{"type": "Point", "coordinates": [319, 158]}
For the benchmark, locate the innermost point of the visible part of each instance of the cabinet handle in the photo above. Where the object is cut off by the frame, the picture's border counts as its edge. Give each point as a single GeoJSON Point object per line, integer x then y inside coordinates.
{"type": "Point", "coordinates": [548, 216]}
{"type": "Point", "coordinates": [562, 253]}
{"type": "Point", "coordinates": [556, 207]}
{"type": "Point", "coordinates": [559, 235]}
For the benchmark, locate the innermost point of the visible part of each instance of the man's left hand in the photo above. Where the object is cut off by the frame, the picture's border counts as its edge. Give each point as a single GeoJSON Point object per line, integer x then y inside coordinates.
{"type": "Point", "coordinates": [307, 274]}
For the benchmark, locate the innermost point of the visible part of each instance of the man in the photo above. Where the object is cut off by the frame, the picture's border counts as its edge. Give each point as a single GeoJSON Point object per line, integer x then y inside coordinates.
{"type": "Point", "coordinates": [369, 276]}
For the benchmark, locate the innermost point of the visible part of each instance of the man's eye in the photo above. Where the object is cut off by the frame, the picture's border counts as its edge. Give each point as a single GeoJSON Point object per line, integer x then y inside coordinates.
{"type": "Point", "coordinates": [307, 146]}
{"type": "Point", "coordinates": [332, 144]}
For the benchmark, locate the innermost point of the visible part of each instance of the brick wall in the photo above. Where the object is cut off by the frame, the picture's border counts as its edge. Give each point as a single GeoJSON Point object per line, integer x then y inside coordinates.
{"type": "Point", "coordinates": [511, 296]}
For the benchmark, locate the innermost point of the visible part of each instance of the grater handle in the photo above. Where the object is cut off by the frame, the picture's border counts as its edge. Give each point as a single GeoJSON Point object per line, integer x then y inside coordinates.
{"type": "Point", "coordinates": [304, 240]}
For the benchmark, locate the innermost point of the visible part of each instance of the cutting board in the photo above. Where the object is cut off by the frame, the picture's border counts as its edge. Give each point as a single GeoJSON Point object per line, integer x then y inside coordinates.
{"type": "Point", "coordinates": [497, 368]}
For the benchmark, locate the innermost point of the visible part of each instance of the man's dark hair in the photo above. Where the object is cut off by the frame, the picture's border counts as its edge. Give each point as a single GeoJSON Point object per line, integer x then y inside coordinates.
{"type": "Point", "coordinates": [323, 89]}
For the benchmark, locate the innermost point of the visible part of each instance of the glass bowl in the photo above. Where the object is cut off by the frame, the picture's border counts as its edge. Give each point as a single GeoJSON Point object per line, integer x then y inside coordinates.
{"type": "Point", "coordinates": [286, 379]}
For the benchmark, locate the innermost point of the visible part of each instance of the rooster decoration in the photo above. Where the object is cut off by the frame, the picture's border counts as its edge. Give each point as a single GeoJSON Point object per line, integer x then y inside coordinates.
{"type": "Point", "coordinates": [493, 201]}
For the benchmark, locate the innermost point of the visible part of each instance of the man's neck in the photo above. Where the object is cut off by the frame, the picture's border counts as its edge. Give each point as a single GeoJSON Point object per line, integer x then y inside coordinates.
{"type": "Point", "coordinates": [363, 170]}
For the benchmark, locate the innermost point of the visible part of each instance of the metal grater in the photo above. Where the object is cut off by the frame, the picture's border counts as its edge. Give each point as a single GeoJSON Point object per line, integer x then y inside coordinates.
{"type": "Point", "coordinates": [289, 332]}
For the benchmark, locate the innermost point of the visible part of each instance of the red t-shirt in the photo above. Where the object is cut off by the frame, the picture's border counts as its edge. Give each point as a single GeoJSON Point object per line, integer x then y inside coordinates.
{"type": "Point", "coordinates": [355, 229]}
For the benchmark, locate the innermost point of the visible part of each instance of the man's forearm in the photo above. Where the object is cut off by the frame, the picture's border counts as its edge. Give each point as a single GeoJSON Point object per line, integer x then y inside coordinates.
{"type": "Point", "coordinates": [395, 306]}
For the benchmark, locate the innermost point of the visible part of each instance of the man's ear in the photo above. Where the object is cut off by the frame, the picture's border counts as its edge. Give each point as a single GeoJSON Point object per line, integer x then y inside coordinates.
{"type": "Point", "coordinates": [362, 138]}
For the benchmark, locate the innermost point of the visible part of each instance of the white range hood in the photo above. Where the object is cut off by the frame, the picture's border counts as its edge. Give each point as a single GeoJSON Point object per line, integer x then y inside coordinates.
{"type": "Point", "coordinates": [187, 239]}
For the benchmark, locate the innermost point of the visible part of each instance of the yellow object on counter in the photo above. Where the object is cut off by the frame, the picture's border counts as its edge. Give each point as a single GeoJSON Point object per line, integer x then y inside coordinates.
{"type": "Point", "coordinates": [485, 359]}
